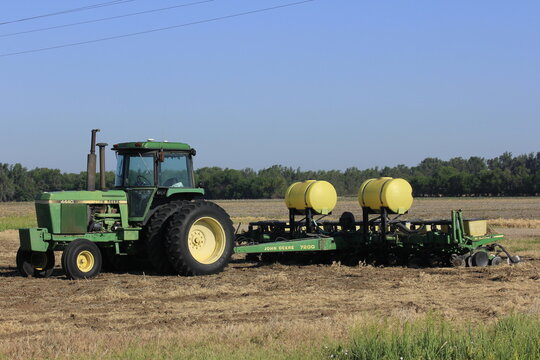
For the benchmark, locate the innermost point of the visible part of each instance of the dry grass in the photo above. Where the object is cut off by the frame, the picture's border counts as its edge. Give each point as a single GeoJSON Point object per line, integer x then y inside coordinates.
{"type": "Point", "coordinates": [526, 208]}
{"type": "Point", "coordinates": [516, 223]}
{"type": "Point", "coordinates": [273, 339]}
{"type": "Point", "coordinates": [9, 209]}
{"type": "Point", "coordinates": [254, 310]}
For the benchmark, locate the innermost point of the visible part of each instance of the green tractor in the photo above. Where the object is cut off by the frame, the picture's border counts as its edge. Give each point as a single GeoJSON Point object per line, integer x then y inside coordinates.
{"type": "Point", "coordinates": [155, 212]}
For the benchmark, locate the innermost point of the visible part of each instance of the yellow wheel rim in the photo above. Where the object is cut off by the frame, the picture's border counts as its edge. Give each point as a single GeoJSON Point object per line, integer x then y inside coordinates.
{"type": "Point", "coordinates": [206, 240]}
{"type": "Point", "coordinates": [85, 261]}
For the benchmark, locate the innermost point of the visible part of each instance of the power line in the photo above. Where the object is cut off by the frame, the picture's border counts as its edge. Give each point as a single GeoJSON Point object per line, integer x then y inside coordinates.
{"type": "Point", "coordinates": [88, 7]}
{"type": "Point", "coordinates": [106, 18]}
{"type": "Point", "coordinates": [157, 29]}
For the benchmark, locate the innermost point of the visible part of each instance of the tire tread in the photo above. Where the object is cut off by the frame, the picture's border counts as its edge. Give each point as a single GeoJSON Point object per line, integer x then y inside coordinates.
{"type": "Point", "coordinates": [153, 235]}
{"type": "Point", "coordinates": [176, 237]}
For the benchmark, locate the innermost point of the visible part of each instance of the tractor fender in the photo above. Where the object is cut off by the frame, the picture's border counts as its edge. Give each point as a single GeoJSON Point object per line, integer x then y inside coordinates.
{"type": "Point", "coordinates": [34, 239]}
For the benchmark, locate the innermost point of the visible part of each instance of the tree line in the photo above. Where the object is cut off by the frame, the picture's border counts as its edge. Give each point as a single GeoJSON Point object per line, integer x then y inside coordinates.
{"type": "Point", "coordinates": [505, 175]}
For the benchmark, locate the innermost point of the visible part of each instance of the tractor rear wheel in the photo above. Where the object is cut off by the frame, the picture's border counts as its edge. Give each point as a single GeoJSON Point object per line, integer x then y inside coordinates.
{"type": "Point", "coordinates": [153, 235]}
{"type": "Point", "coordinates": [35, 264]}
{"type": "Point", "coordinates": [200, 239]}
{"type": "Point", "coordinates": [81, 259]}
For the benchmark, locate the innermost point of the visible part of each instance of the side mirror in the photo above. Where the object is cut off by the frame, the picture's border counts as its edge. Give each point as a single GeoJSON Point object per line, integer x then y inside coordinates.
{"type": "Point", "coordinates": [161, 156]}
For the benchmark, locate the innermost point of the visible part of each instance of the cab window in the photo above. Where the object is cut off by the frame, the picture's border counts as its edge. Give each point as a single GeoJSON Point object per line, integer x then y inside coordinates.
{"type": "Point", "coordinates": [119, 176]}
{"type": "Point", "coordinates": [140, 171]}
{"type": "Point", "coordinates": [174, 171]}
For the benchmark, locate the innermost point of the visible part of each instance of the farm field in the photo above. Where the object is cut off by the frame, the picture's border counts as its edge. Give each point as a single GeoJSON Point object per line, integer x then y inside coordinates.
{"type": "Point", "coordinates": [252, 310]}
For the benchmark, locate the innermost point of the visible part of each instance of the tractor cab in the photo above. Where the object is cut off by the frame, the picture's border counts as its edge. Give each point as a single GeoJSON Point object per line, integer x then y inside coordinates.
{"type": "Point", "coordinates": [153, 171]}
{"type": "Point", "coordinates": [154, 164]}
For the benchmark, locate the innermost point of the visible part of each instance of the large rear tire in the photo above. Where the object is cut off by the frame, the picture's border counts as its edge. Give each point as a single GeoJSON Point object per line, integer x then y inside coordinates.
{"type": "Point", "coordinates": [35, 264]}
{"type": "Point", "coordinates": [81, 259]}
{"type": "Point", "coordinates": [154, 237]}
{"type": "Point", "coordinates": [200, 239]}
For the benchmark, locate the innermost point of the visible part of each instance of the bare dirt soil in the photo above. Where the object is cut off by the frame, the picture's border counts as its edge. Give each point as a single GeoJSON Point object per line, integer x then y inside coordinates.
{"type": "Point", "coordinates": [288, 303]}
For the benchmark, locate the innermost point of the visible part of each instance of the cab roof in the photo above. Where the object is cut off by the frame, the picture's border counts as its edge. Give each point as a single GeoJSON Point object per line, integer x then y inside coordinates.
{"type": "Point", "coordinates": [152, 145]}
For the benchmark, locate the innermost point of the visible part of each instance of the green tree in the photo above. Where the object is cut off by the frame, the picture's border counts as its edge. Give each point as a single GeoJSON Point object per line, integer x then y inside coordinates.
{"type": "Point", "coordinates": [7, 187]}
{"type": "Point", "coordinates": [25, 187]}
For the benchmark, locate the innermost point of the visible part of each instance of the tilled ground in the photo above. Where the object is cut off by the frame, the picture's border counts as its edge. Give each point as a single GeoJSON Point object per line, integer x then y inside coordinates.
{"type": "Point", "coordinates": [66, 317]}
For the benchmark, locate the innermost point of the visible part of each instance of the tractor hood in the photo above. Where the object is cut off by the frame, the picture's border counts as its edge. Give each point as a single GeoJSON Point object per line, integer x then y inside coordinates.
{"type": "Point", "coordinates": [56, 208]}
{"type": "Point", "coordinates": [82, 197]}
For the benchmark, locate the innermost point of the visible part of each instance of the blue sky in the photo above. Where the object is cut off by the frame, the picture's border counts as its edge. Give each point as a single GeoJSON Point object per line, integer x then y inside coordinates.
{"type": "Point", "coordinates": [321, 85]}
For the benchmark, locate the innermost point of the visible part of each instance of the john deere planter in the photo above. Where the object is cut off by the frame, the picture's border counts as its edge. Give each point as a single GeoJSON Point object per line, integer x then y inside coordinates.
{"type": "Point", "coordinates": [156, 215]}
{"type": "Point", "coordinates": [380, 237]}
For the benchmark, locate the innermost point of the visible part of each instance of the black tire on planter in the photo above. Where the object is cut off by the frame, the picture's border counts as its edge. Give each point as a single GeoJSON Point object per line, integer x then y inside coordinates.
{"type": "Point", "coordinates": [154, 237]}
{"type": "Point", "coordinates": [81, 259]}
{"type": "Point", "coordinates": [416, 262]}
{"type": "Point", "coordinates": [200, 239]}
{"type": "Point", "coordinates": [495, 261]}
{"type": "Point", "coordinates": [480, 258]}
{"type": "Point", "coordinates": [35, 264]}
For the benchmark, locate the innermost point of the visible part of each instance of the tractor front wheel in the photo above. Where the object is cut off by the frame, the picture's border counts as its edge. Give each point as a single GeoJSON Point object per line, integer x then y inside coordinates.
{"type": "Point", "coordinates": [81, 260]}
{"type": "Point", "coordinates": [35, 264]}
{"type": "Point", "coordinates": [200, 239]}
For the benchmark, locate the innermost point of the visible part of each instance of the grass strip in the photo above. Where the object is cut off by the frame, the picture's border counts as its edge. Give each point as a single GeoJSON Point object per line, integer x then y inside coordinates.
{"type": "Point", "coordinates": [17, 222]}
{"type": "Point", "coordinates": [427, 338]}
{"type": "Point", "coordinates": [512, 337]}
{"type": "Point", "coordinates": [208, 350]}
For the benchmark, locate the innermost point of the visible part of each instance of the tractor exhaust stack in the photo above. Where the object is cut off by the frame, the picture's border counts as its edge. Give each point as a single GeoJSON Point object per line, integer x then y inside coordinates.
{"type": "Point", "coordinates": [91, 163]}
{"type": "Point", "coordinates": [102, 185]}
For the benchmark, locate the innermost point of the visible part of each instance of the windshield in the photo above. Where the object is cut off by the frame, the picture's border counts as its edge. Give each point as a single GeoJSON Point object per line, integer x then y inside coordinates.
{"type": "Point", "coordinates": [174, 171]}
